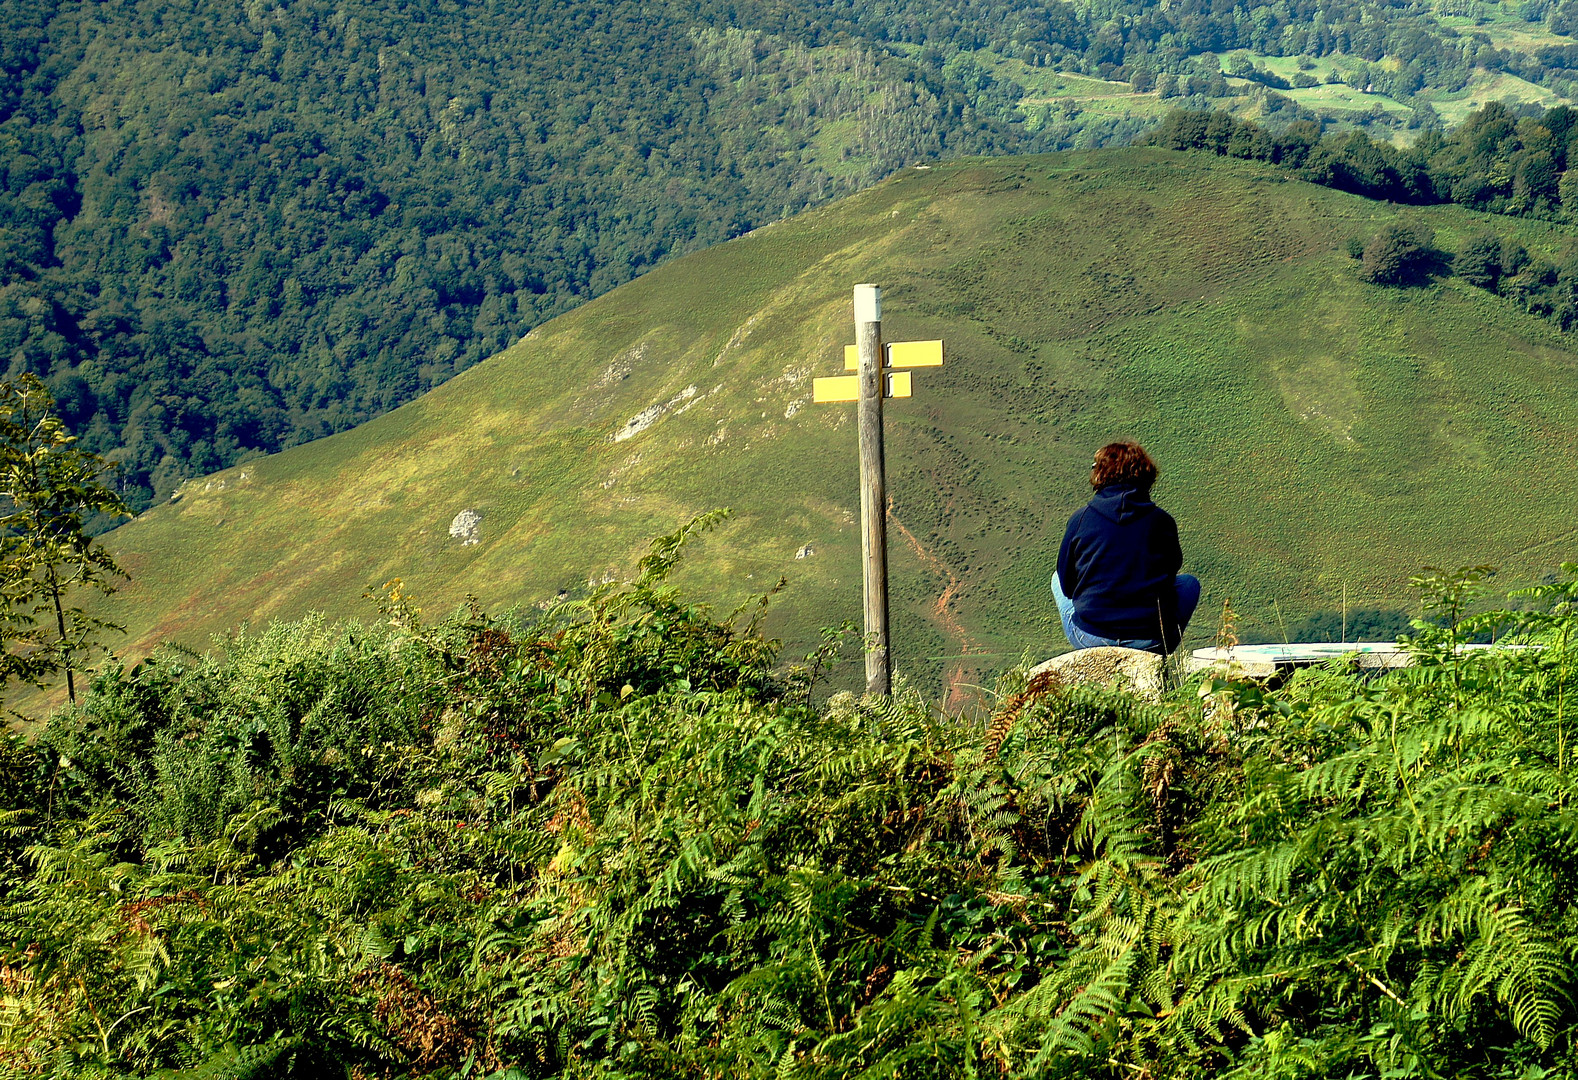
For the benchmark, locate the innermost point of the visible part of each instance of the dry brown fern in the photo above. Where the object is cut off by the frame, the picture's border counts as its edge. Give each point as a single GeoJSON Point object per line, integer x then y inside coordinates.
{"type": "Point", "coordinates": [1004, 719]}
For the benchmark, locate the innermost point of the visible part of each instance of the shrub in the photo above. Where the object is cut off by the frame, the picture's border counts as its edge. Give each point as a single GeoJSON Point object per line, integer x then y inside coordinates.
{"type": "Point", "coordinates": [1514, 257]}
{"type": "Point", "coordinates": [1398, 254]}
{"type": "Point", "coordinates": [618, 845]}
{"type": "Point", "coordinates": [1479, 263]}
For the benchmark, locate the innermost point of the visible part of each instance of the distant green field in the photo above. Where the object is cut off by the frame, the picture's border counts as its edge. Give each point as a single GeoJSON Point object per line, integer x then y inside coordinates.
{"type": "Point", "coordinates": [1337, 99]}
{"type": "Point", "coordinates": [1500, 22]}
{"type": "Point", "coordinates": [1343, 104]}
{"type": "Point", "coordinates": [1331, 99]}
{"type": "Point", "coordinates": [1044, 83]}
{"type": "Point", "coordinates": [1336, 102]}
{"type": "Point", "coordinates": [1341, 98]}
{"type": "Point", "coordinates": [1315, 434]}
{"type": "Point", "coordinates": [1488, 86]}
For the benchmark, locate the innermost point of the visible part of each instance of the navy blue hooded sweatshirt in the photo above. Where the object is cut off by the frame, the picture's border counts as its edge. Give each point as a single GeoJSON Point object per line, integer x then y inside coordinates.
{"type": "Point", "coordinates": [1119, 563]}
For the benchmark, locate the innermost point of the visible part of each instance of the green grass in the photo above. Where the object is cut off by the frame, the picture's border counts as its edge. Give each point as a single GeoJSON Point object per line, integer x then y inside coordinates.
{"type": "Point", "coordinates": [1488, 86]}
{"type": "Point", "coordinates": [1044, 83]}
{"type": "Point", "coordinates": [1314, 432]}
{"type": "Point", "coordinates": [1339, 101]}
{"type": "Point", "coordinates": [1501, 23]}
{"type": "Point", "coordinates": [1339, 97]}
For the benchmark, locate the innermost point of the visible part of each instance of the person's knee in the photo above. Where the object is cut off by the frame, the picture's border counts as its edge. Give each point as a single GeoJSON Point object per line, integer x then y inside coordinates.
{"type": "Point", "coordinates": [1057, 592]}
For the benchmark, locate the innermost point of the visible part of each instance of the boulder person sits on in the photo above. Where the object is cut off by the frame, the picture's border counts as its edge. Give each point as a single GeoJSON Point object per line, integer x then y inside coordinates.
{"type": "Point", "coordinates": [1117, 580]}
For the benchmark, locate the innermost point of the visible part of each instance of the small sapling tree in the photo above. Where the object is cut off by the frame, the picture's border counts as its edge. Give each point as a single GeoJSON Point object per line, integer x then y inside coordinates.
{"type": "Point", "coordinates": [47, 484]}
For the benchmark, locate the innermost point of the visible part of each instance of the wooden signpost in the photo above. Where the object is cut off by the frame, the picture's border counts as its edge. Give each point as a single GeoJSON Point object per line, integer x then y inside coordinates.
{"type": "Point", "coordinates": [875, 379]}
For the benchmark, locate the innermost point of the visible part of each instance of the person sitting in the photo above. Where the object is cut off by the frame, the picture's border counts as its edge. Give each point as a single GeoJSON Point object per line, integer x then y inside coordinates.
{"type": "Point", "coordinates": [1117, 579]}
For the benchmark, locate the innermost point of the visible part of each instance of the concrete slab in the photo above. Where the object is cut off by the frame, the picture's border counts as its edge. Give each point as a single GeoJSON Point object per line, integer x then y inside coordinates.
{"type": "Point", "coordinates": [1266, 660]}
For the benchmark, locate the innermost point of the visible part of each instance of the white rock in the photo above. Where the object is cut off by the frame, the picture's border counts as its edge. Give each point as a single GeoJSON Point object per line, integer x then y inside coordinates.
{"type": "Point", "coordinates": [651, 414]}
{"type": "Point", "coordinates": [805, 552]}
{"type": "Point", "coordinates": [467, 527]}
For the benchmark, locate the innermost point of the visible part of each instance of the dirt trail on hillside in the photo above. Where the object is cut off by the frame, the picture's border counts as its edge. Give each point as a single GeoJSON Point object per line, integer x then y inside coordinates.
{"type": "Point", "coordinates": [960, 675]}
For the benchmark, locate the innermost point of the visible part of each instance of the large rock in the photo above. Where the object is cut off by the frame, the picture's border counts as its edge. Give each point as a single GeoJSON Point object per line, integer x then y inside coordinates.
{"type": "Point", "coordinates": [1141, 673]}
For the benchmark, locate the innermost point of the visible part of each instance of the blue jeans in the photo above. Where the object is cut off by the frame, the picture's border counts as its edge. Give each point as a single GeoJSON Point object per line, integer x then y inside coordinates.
{"type": "Point", "coordinates": [1188, 587]}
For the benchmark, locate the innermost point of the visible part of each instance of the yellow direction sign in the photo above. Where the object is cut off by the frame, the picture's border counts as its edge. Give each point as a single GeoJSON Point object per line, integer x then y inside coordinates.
{"type": "Point", "coordinates": [900, 354]}
{"type": "Point", "coordinates": [896, 384]}
{"type": "Point", "coordinates": [836, 388]}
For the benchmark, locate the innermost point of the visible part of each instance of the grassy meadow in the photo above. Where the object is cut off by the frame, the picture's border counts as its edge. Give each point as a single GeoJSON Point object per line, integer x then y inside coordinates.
{"type": "Point", "coordinates": [1341, 103]}
{"type": "Point", "coordinates": [1502, 23]}
{"type": "Point", "coordinates": [1317, 435]}
{"type": "Point", "coordinates": [1488, 86]}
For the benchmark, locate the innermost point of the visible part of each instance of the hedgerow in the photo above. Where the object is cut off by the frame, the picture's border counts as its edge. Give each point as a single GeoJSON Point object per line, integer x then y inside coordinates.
{"type": "Point", "coordinates": [619, 839]}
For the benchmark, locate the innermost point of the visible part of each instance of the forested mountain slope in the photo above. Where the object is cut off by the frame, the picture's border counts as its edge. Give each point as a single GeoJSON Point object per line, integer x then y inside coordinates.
{"type": "Point", "coordinates": [1319, 437]}
{"type": "Point", "coordinates": [231, 228]}
{"type": "Point", "coordinates": [235, 228]}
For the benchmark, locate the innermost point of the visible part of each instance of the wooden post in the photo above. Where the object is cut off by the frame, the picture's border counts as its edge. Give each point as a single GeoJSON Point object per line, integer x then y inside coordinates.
{"type": "Point", "coordinates": [873, 487]}
{"type": "Point", "coordinates": [869, 358]}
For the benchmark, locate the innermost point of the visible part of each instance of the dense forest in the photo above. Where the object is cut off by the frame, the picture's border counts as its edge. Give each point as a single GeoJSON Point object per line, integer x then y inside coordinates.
{"type": "Point", "coordinates": [622, 841]}
{"type": "Point", "coordinates": [226, 229]}
{"type": "Point", "coordinates": [230, 229]}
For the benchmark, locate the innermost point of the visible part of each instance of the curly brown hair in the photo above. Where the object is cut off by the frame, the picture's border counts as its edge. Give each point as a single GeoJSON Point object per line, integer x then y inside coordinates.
{"type": "Point", "coordinates": [1123, 463]}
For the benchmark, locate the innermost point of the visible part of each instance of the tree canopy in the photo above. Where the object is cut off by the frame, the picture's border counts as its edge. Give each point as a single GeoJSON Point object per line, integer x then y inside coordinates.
{"type": "Point", "coordinates": [1397, 254]}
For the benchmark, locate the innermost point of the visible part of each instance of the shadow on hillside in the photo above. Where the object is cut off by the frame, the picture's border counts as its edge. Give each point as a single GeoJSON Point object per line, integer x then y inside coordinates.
{"type": "Point", "coordinates": [1429, 267]}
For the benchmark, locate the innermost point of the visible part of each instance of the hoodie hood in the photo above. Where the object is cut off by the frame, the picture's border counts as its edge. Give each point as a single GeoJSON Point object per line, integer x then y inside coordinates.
{"type": "Point", "coordinates": [1121, 503]}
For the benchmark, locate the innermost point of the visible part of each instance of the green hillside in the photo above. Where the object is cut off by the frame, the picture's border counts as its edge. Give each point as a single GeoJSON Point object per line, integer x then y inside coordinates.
{"type": "Point", "coordinates": [227, 229]}
{"type": "Point", "coordinates": [1316, 434]}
